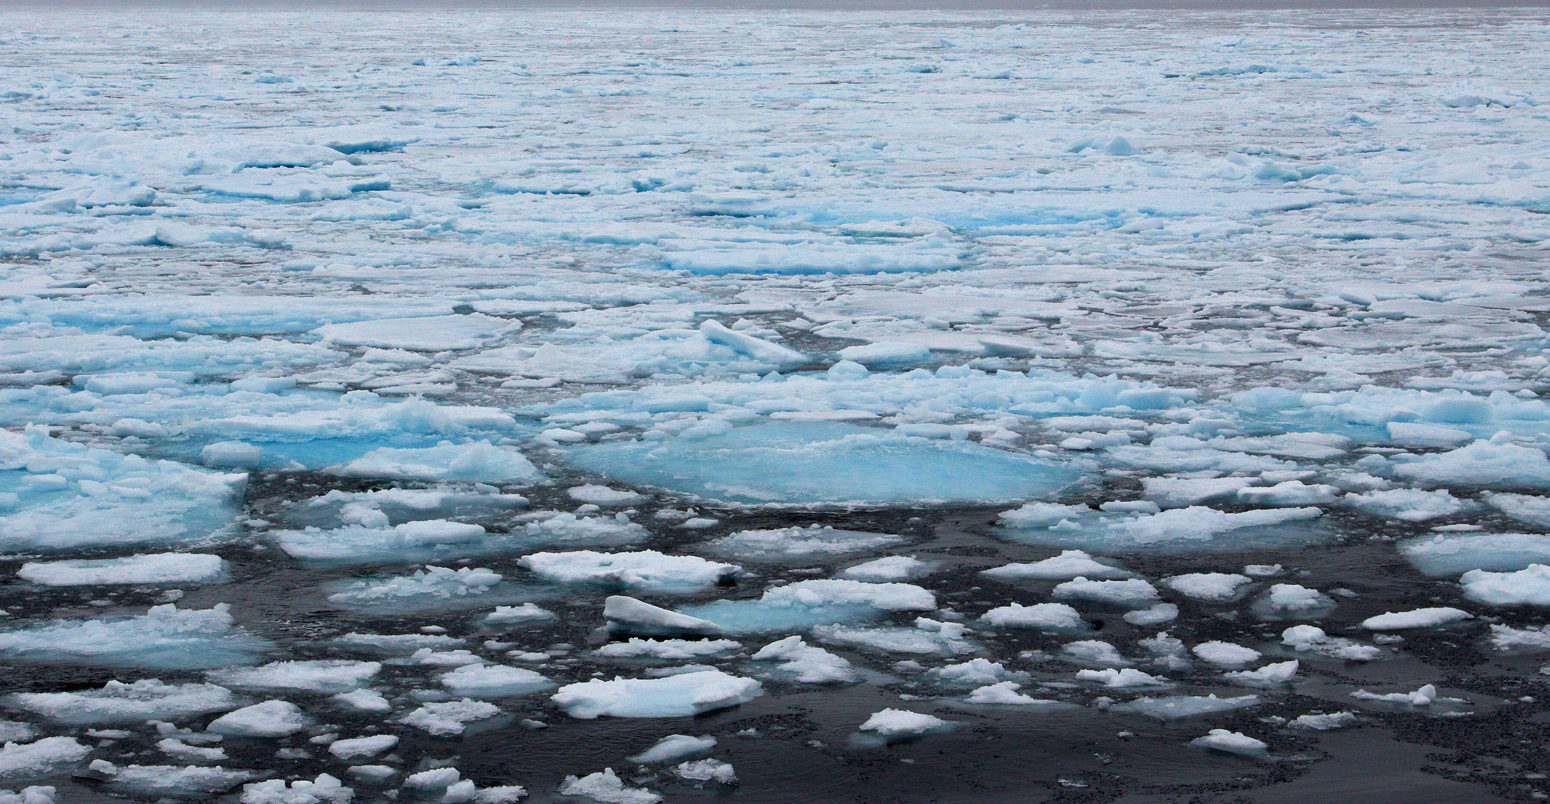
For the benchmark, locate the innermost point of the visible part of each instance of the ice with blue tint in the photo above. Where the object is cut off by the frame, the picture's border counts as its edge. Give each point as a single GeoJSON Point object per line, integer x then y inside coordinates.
{"type": "Point", "coordinates": [804, 604]}
{"type": "Point", "coordinates": [1450, 554]}
{"type": "Point", "coordinates": [56, 496]}
{"type": "Point", "coordinates": [1195, 529]}
{"type": "Point", "coordinates": [165, 637]}
{"type": "Point", "coordinates": [430, 589]}
{"type": "Point", "coordinates": [825, 463]}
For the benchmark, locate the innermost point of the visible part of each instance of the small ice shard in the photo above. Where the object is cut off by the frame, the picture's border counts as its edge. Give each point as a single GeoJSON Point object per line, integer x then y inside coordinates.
{"type": "Point", "coordinates": [1268, 676]}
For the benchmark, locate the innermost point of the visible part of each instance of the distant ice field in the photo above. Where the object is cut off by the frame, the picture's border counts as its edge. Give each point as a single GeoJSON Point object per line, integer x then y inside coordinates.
{"type": "Point", "coordinates": [764, 405]}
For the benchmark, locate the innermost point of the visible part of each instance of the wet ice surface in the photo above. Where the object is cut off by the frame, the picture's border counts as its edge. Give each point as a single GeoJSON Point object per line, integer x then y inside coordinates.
{"type": "Point", "coordinates": [948, 406]}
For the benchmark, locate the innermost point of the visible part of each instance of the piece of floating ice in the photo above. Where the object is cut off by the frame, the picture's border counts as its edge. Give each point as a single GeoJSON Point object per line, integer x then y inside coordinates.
{"type": "Point", "coordinates": [1446, 554]}
{"type": "Point", "coordinates": [1290, 601]}
{"type": "Point", "coordinates": [1424, 697]}
{"type": "Point", "coordinates": [524, 614]}
{"type": "Point", "coordinates": [1225, 654]}
{"type": "Point", "coordinates": [493, 681]}
{"type": "Point", "coordinates": [1482, 463]}
{"type": "Point", "coordinates": [1005, 693]}
{"type": "Point", "coordinates": [902, 724]}
{"type": "Point", "coordinates": [1178, 707]}
{"type": "Point", "coordinates": [325, 789]}
{"type": "Point", "coordinates": [62, 496]}
{"type": "Point", "coordinates": [428, 334]}
{"type": "Point", "coordinates": [429, 588]}
{"type": "Point", "coordinates": [321, 676]}
{"type": "Point", "coordinates": [1182, 492]}
{"type": "Point", "coordinates": [1215, 587]}
{"type": "Point", "coordinates": [606, 787]}
{"type": "Point", "coordinates": [1131, 593]}
{"type": "Point", "coordinates": [673, 696]}
{"type": "Point", "coordinates": [1268, 676]}
{"type": "Point", "coordinates": [816, 602]}
{"type": "Point", "coordinates": [164, 637]}
{"type": "Point", "coordinates": [1529, 586]}
{"type": "Point", "coordinates": [363, 700]}
{"type": "Point", "coordinates": [1042, 616]}
{"type": "Point", "coordinates": [268, 719]}
{"type": "Point", "coordinates": [1522, 507]}
{"type": "Point", "coordinates": [1432, 617]}
{"type": "Point", "coordinates": [976, 672]}
{"type": "Point", "coordinates": [889, 568]}
{"type": "Point", "coordinates": [837, 257]}
{"type": "Point", "coordinates": [1407, 505]}
{"type": "Point", "coordinates": [645, 569]}
{"type": "Point", "coordinates": [1154, 615]}
{"type": "Point", "coordinates": [666, 649]}
{"type": "Point", "coordinates": [825, 463]}
{"type": "Point", "coordinates": [1121, 677]}
{"type": "Point", "coordinates": [706, 770]}
{"type": "Point", "coordinates": [1231, 742]}
{"type": "Point", "coordinates": [474, 462]}
{"type": "Point", "coordinates": [797, 544]}
{"type": "Point", "coordinates": [1066, 566]}
{"type": "Point", "coordinates": [450, 718]}
{"type": "Point", "coordinates": [757, 348]}
{"type": "Point", "coordinates": [603, 495]}
{"type": "Point", "coordinates": [1324, 722]}
{"type": "Point", "coordinates": [43, 757]}
{"type": "Point", "coordinates": [887, 353]}
{"type": "Point", "coordinates": [807, 664]}
{"type": "Point", "coordinates": [156, 568]}
{"type": "Point", "coordinates": [1092, 651]}
{"type": "Point", "coordinates": [673, 748]}
{"type": "Point", "coordinates": [626, 615]}
{"type": "Point", "coordinates": [927, 638]}
{"type": "Point", "coordinates": [1180, 530]}
{"type": "Point", "coordinates": [358, 747]}
{"type": "Point", "coordinates": [170, 781]}
{"type": "Point", "coordinates": [120, 703]}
